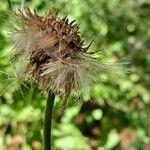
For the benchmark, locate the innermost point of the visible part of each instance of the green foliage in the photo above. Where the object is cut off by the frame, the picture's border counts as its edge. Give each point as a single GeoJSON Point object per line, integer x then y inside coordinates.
{"type": "Point", "coordinates": [117, 115]}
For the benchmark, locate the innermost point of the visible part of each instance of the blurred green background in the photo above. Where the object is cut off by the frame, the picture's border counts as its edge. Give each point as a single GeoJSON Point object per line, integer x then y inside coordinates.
{"type": "Point", "coordinates": [117, 115]}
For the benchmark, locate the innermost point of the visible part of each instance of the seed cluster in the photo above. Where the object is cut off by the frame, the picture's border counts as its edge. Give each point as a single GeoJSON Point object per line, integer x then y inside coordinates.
{"type": "Point", "coordinates": [56, 59]}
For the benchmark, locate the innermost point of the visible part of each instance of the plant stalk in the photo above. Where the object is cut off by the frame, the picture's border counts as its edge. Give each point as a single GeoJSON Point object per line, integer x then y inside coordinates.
{"type": "Point", "coordinates": [48, 121]}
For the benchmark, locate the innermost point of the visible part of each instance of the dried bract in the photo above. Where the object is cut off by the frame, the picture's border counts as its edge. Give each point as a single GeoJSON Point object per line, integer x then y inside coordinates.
{"type": "Point", "coordinates": [55, 57]}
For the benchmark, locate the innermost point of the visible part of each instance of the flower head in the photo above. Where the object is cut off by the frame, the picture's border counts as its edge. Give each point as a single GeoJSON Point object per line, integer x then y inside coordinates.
{"type": "Point", "coordinates": [55, 57]}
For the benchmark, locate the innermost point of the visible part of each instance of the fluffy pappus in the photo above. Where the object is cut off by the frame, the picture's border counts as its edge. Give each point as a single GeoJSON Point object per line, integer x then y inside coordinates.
{"type": "Point", "coordinates": [55, 57]}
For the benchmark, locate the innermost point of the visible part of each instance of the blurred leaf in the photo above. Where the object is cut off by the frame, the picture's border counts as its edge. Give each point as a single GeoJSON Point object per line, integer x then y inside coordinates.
{"type": "Point", "coordinates": [112, 140]}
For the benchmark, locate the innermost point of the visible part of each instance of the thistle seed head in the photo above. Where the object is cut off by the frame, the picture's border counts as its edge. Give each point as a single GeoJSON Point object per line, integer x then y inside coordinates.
{"type": "Point", "coordinates": [53, 48]}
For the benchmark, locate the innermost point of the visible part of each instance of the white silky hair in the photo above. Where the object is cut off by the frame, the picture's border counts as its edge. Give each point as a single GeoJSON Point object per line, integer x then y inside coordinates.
{"type": "Point", "coordinates": [85, 71]}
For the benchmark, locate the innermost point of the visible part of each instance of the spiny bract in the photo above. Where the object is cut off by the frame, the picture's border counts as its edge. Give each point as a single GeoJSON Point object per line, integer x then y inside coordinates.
{"type": "Point", "coordinates": [55, 57]}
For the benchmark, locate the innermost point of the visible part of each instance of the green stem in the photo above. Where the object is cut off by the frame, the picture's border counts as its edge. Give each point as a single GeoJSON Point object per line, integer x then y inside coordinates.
{"type": "Point", "coordinates": [48, 121]}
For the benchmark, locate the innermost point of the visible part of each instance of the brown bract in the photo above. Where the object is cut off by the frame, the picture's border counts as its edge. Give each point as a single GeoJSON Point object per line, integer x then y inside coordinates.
{"type": "Point", "coordinates": [54, 53]}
